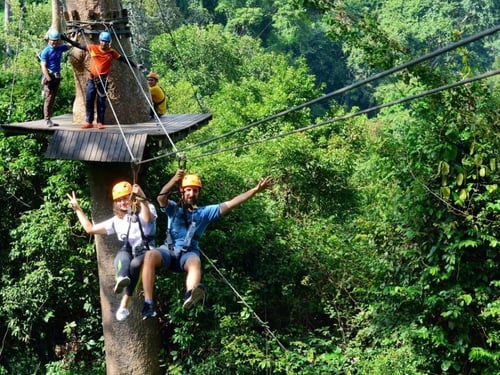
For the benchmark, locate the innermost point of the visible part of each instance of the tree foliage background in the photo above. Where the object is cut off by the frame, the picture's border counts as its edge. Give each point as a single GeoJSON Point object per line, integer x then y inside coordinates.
{"type": "Point", "coordinates": [376, 252]}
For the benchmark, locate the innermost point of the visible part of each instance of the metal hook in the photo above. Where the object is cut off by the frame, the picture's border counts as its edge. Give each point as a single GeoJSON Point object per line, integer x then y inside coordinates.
{"type": "Point", "coordinates": [182, 161]}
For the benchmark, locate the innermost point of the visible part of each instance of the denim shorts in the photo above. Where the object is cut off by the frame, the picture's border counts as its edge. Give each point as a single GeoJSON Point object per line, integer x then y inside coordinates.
{"type": "Point", "coordinates": [175, 260]}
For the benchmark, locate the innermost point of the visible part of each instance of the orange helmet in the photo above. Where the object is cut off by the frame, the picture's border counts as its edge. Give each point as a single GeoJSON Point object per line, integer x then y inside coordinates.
{"type": "Point", "coordinates": [121, 189]}
{"type": "Point", "coordinates": [154, 75]}
{"type": "Point", "coordinates": [191, 180]}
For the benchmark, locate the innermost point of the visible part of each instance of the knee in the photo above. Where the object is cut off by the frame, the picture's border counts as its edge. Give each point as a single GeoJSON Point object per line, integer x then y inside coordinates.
{"type": "Point", "coordinates": [152, 258]}
{"type": "Point", "coordinates": [192, 264]}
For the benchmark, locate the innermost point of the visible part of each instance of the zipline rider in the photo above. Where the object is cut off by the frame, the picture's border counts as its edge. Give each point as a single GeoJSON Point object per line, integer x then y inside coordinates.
{"type": "Point", "coordinates": [101, 59]}
{"type": "Point", "coordinates": [186, 224]}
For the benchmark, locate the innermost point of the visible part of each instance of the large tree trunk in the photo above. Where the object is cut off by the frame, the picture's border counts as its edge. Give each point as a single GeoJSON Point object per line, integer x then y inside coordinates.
{"type": "Point", "coordinates": [132, 346]}
{"type": "Point", "coordinates": [127, 89]}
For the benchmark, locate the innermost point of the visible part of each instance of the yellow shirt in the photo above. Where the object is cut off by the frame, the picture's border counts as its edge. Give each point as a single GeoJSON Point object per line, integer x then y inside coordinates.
{"type": "Point", "coordinates": [159, 99]}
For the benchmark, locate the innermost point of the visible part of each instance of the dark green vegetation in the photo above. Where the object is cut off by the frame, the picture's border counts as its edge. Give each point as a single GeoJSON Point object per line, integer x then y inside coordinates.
{"type": "Point", "coordinates": [377, 252]}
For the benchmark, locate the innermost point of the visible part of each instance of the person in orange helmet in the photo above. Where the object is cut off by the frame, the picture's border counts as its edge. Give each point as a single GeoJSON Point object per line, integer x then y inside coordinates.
{"type": "Point", "coordinates": [135, 231]}
{"type": "Point", "coordinates": [186, 224]}
{"type": "Point", "coordinates": [157, 96]}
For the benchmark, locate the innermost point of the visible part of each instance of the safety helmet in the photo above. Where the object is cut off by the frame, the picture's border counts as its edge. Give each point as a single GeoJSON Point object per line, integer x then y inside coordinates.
{"type": "Point", "coordinates": [191, 180]}
{"type": "Point", "coordinates": [53, 34]}
{"type": "Point", "coordinates": [121, 189]}
{"type": "Point", "coordinates": [105, 36]}
{"type": "Point", "coordinates": [154, 75]}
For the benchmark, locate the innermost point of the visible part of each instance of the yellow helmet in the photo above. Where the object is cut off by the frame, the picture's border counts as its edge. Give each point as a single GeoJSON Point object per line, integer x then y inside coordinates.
{"type": "Point", "coordinates": [191, 180]}
{"type": "Point", "coordinates": [154, 75]}
{"type": "Point", "coordinates": [121, 189]}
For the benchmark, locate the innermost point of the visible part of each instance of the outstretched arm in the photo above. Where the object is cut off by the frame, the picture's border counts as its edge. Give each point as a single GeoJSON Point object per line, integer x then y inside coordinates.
{"type": "Point", "coordinates": [124, 60]}
{"type": "Point", "coordinates": [86, 224]}
{"type": "Point", "coordinates": [74, 43]}
{"type": "Point", "coordinates": [228, 206]}
{"type": "Point", "coordinates": [162, 197]}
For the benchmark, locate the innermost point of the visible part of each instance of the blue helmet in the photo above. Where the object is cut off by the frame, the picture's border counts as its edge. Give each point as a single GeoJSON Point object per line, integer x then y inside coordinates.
{"type": "Point", "coordinates": [105, 37]}
{"type": "Point", "coordinates": [53, 34]}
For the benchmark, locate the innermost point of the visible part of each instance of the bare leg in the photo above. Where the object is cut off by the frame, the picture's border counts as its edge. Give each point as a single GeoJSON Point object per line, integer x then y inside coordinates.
{"type": "Point", "coordinates": [193, 269]}
{"type": "Point", "coordinates": [152, 260]}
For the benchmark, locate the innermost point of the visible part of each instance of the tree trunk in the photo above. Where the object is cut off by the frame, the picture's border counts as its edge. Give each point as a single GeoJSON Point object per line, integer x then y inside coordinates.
{"type": "Point", "coordinates": [131, 346]}
{"type": "Point", "coordinates": [128, 92]}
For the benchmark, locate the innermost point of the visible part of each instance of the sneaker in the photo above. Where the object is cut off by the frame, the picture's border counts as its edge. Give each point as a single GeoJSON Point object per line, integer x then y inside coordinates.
{"type": "Point", "coordinates": [192, 297]}
{"type": "Point", "coordinates": [122, 313]}
{"type": "Point", "coordinates": [88, 125]}
{"type": "Point", "coordinates": [50, 124]}
{"type": "Point", "coordinates": [121, 282]}
{"type": "Point", "coordinates": [100, 125]}
{"type": "Point", "coordinates": [148, 311]}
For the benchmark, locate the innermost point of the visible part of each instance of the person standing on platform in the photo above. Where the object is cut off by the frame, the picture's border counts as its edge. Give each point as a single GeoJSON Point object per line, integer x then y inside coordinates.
{"type": "Point", "coordinates": [50, 63]}
{"type": "Point", "coordinates": [101, 59]}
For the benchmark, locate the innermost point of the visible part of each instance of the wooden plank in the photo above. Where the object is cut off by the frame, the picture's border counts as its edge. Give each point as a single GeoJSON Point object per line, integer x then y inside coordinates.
{"type": "Point", "coordinates": [70, 142]}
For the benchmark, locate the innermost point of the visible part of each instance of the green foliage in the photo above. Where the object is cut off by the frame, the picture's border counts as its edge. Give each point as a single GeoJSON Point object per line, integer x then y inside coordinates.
{"type": "Point", "coordinates": [374, 253]}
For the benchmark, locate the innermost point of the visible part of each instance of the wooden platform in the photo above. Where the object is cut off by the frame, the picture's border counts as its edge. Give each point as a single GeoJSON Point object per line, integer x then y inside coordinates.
{"type": "Point", "coordinates": [115, 143]}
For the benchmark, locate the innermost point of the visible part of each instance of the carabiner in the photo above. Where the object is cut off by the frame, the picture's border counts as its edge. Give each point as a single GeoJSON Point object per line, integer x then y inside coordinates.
{"type": "Point", "coordinates": [182, 161]}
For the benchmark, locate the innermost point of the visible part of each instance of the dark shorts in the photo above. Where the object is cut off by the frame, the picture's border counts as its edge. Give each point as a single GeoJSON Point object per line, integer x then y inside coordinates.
{"type": "Point", "coordinates": [175, 260]}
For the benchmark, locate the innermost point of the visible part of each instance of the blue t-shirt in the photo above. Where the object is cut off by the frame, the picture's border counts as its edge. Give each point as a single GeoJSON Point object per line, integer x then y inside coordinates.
{"type": "Point", "coordinates": [180, 220]}
{"type": "Point", "coordinates": [52, 57]}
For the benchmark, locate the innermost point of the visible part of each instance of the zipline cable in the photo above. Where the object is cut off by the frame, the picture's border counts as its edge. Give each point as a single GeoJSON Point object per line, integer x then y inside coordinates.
{"type": "Point", "coordinates": [351, 115]}
{"type": "Point", "coordinates": [257, 317]}
{"type": "Point", "coordinates": [345, 89]}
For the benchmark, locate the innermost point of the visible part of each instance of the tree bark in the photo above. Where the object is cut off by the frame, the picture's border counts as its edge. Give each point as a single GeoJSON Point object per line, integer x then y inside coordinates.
{"type": "Point", "coordinates": [128, 92]}
{"type": "Point", "coordinates": [132, 346]}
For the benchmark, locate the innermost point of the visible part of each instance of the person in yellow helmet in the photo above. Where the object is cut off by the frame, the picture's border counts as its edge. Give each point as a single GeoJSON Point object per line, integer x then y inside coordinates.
{"type": "Point", "coordinates": [157, 95]}
{"type": "Point", "coordinates": [135, 231]}
{"type": "Point", "coordinates": [186, 224]}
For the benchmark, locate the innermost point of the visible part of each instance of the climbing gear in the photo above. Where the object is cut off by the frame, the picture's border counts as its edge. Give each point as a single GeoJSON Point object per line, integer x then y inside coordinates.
{"type": "Point", "coordinates": [105, 36]}
{"type": "Point", "coordinates": [182, 160]}
{"type": "Point", "coordinates": [148, 311]}
{"type": "Point", "coordinates": [154, 76]}
{"type": "Point", "coordinates": [194, 295]}
{"type": "Point", "coordinates": [122, 313]}
{"type": "Point", "coordinates": [121, 282]}
{"type": "Point", "coordinates": [121, 189]}
{"type": "Point", "coordinates": [53, 35]}
{"type": "Point", "coordinates": [191, 180]}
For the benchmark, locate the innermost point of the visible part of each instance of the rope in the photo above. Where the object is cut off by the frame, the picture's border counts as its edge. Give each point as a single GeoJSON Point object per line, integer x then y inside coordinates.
{"type": "Point", "coordinates": [257, 317]}
{"type": "Point", "coordinates": [143, 91]}
{"type": "Point", "coordinates": [358, 113]}
{"type": "Point", "coordinates": [343, 90]}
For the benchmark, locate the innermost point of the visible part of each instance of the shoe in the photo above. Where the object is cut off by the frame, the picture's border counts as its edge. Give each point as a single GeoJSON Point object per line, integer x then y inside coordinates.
{"type": "Point", "coordinates": [121, 282]}
{"type": "Point", "coordinates": [50, 124]}
{"type": "Point", "coordinates": [192, 297]}
{"type": "Point", "coordinates": [100, 125]}
{"type": "Point", "coordinates": [88, 125]}
{"type": "Point", "coordinates": [122, 313]}
{"type": "Point", "coordinates": [148, 311]}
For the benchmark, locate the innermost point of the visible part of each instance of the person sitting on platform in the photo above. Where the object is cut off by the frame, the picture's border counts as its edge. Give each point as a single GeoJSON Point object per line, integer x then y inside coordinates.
{"type": "Point", "coordinates": [157, 95]}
